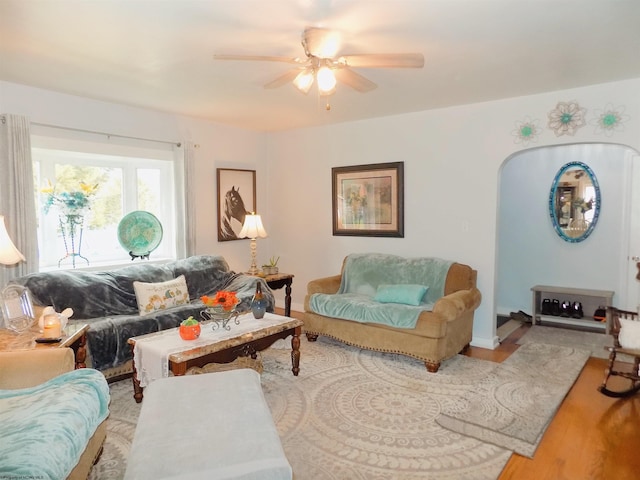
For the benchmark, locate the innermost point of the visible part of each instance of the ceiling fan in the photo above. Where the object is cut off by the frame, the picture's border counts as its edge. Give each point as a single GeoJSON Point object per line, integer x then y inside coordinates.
{"type": "Point", "coordinates": [321, 64]}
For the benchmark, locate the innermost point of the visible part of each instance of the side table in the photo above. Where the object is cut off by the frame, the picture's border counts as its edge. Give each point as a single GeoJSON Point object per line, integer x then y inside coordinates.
{"type": "Point", "coordinates": [279, 280]}
{"type": "Point", "coordinates": [74, 336]}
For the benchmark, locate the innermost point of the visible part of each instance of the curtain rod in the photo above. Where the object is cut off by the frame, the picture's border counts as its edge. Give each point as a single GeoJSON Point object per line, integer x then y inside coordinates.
{"type": "Point", "coordinates": [177, 144]}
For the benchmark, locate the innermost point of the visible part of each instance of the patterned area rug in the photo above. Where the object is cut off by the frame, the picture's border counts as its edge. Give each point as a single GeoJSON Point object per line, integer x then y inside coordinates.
{"type": "Point", "coordinates": [513, 405]}
{"type": "Point", "coordinates": [592, 341]}
{"type": "Point", "coordinates": [356, 415]}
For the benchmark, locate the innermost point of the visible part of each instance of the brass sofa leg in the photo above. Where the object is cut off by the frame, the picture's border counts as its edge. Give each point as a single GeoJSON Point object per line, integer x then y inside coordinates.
{"type": "Point", "coordinates": [432, 367]}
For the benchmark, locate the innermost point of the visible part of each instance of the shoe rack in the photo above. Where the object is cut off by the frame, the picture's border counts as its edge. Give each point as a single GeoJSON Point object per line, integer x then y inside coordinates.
{"type": "Point", "coordinates": [591, 300]}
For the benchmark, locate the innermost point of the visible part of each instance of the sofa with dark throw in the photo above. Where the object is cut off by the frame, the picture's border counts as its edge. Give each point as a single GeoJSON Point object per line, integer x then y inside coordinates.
{"type": "Point", "coordinates": [420, 307]}
{"type": "Point", "coordinates": [138, 299]}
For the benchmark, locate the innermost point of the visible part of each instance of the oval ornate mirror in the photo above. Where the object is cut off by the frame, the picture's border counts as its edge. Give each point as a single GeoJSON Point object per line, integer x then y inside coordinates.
{"type": "Point", "coordinates": [574, 202]}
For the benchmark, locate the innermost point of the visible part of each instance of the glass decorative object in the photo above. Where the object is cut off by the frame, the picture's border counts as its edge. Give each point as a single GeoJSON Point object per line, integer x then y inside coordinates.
{"type": "Point", "coordinates": [258, 302]}
{"type": "Point", "coordinates": [52, 326]}
{"type": "Point", "coordinates": [17, 308]}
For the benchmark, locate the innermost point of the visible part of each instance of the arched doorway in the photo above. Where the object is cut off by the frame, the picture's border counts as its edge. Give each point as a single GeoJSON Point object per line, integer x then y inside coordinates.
{"type": "Point", "coordinates": [528, 250]}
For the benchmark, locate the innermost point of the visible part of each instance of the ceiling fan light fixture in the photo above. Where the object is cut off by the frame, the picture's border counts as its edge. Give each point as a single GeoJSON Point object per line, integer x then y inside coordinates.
{"type": "Point", "coordinates": [304, 81]}
{"type": "Point", "coordinates": [330, 45]}
{"type": "Point", "coordinates": [326, 80]}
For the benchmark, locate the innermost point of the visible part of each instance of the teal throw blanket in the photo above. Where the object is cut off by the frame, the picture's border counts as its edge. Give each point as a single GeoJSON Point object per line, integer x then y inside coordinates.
{"type": "Point", "coordinates": [44, 429]}
{"type": "Point", "coordinates": [364, 273]}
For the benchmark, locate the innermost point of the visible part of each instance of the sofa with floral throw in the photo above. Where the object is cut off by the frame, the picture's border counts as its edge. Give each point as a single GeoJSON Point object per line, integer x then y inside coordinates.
{"type": "Point", "coordinates": [420, 307]}
{"type": "Point", "coordinates": [138, 299]}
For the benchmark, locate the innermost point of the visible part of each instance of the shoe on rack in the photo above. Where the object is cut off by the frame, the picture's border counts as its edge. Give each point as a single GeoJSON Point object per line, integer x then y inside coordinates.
{"type": "Point", "coordinates": [576, 310]}
{"type": "Point", "coordinates": [546, 307]}
{"type": "Point", "coordinates": [565, 309]}
{"type": "Point", "coordinates": [555, 307]}
{"type": "Point", "coordinates": [521, 316]}
{"type": "Point", "coordinates": [600, 314]}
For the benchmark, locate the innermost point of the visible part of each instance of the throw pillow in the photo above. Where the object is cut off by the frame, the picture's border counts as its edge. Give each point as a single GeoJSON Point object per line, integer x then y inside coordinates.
{"type": "Point", "coordinates": [152, 297]}
{"type": "Point", "coordinates": [629, 336]}
{"type": "Point", "coordinates": [406, 294]}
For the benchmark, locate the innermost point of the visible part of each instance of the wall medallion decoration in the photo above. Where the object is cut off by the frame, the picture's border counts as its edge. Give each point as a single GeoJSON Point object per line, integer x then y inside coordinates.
{"type": "Point", "coordinates": [527, 131]}
{"type": "Point", "coordinates": [567, 118]}
{"type": "Point", "coordinates": [609, 120]}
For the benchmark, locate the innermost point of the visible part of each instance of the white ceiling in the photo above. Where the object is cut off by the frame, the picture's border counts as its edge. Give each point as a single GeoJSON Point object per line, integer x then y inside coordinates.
{"type": "Point", "coordinates": [158, 53]}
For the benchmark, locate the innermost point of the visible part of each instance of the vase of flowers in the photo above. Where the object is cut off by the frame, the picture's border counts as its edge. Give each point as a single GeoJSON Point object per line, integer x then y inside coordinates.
{"type": "Point", "coordinates": [72, 207]}
{"type": "Point", "coordinates": [221, 308]}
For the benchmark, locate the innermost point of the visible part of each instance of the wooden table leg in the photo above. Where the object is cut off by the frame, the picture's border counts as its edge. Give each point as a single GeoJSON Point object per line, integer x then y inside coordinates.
{"type": "Point", "coordinates": [81, 352]}
{"type": "Point", "coordinates": [287, 298]}
{"type": "Point", "coordinates": [137, 389]}
{"type": "Point", "coordinates": [295, 351]}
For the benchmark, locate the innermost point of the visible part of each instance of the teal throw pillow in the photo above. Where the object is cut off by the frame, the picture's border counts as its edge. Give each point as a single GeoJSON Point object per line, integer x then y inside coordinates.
{"type": "Point", "coordinates": [406, 294]}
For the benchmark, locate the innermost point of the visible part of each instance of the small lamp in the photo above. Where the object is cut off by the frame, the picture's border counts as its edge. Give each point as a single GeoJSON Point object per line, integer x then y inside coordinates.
{"type": "Point", "coordinates": [9, 254]}
{"type": "Point", "coordinates": [252, 228]}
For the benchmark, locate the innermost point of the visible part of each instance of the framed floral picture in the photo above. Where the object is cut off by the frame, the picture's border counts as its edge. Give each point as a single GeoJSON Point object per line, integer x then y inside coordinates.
{"type": "Point", "coordinates": [236, 198]}
{"type": "Point", "coordinates": [368, 200]}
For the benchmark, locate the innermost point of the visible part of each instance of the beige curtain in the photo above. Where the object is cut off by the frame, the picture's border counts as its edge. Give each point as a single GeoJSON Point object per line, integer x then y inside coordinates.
{"type": "Point", "coordinates": [185, 204]}
{"type": "Point", "coordinates": [17, 202]}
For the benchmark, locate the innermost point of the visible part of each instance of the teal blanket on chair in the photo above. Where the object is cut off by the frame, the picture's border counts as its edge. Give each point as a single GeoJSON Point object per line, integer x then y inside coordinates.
{"type": "Point", "coordinates": [364, 273]}
{"type": "Point", "coordinates": [44, 429]}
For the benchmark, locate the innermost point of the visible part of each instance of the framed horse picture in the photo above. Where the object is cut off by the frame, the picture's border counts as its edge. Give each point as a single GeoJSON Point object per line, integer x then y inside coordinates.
{"type": "Point", "coordinates": [236, 198]}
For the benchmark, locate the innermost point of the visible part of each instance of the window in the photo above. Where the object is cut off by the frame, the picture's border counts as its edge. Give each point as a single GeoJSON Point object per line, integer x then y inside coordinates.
{"type": "Point", "coordinates": [112, 184]}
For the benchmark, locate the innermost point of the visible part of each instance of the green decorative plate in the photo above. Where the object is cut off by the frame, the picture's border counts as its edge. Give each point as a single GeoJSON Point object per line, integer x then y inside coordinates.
{"type": "Point", "coordinates": [139, 233]}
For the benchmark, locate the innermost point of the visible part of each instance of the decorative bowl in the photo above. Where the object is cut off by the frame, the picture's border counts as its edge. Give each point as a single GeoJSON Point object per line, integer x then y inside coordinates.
{"type": "Point", "coordinates": [220, 316]}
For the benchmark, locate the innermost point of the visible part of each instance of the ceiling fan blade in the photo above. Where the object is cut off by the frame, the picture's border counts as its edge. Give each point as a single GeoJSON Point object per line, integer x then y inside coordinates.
{"type": "Point", "coordinates": [384, 60]}
{"type": "Point", "coordinates": [264, 58]}
{"type": "Point", "coordinates": [354, 80]}
{"type": "Point", "coordinates": [283, 79]}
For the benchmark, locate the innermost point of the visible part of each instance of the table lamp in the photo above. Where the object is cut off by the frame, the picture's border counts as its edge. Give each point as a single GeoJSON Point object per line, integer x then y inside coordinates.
{"type": "Point", "coordinates": [9, 254]}
{"type": "Point", "coordinates": [252, 228]}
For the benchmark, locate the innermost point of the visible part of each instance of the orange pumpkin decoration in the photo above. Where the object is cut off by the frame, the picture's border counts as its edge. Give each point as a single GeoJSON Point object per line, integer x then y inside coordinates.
{"type": "Point", "coordinates": [189, 329]}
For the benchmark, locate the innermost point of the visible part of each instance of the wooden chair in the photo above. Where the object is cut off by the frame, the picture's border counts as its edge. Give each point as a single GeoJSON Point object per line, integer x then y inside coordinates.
{"type": "Point", "coordinates": [630, 372]}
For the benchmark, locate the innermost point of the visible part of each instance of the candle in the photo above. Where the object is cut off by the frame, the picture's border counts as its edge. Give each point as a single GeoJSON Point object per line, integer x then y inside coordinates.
{"type": "Point", "coordinates": [52, 327]}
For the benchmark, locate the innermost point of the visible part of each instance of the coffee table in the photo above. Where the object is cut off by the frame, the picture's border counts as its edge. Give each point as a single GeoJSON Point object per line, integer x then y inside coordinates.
{"type": "Point", "coordinates": [154, 354]}
{"type": "Point", "coordinates": [74, 336]}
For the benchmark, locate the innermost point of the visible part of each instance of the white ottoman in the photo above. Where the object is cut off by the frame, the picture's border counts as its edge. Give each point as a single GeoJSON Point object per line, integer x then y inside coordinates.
{"type": "Point", "coordinates": [211, 426]}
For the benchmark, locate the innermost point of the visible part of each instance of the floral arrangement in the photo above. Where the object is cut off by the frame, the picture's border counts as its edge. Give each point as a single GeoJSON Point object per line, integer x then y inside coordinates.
{"type": "Point", "coordinates": [224, 299]}
{"type": "Point", "coordinates": [70, 202]}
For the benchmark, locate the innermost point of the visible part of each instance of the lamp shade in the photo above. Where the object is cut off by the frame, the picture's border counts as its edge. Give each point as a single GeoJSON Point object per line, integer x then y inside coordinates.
{"type": "Point", "coordinates": [304, 81]}
{"type": "Point", "coordinates": [9, 254]}
{"type": "Point", "coordinates": [326, 80]}
{"type": "Point", "coordinates": [252, 227]}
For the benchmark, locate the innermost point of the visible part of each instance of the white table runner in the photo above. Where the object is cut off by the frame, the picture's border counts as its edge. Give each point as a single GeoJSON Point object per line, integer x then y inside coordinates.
{"type": "Point", "coordinates": [151, 355]}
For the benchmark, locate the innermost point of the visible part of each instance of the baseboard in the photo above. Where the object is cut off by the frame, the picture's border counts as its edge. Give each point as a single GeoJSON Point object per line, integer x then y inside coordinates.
{"type": "Point", "coordinates": [483, 342]}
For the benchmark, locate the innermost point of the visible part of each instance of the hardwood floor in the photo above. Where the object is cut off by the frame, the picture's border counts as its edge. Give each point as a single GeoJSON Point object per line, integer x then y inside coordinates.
{"type": "Point", "coordinates": [591, 437]}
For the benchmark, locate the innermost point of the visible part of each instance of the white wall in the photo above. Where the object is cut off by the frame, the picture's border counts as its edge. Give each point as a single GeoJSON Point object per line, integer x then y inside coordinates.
{"type": "Point", "coordinates": [452, 161]}
{"type": "Point", "coordinates": [529, 250]}
{"type": "Point", "coordinates": [219, 147]}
